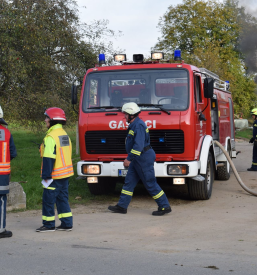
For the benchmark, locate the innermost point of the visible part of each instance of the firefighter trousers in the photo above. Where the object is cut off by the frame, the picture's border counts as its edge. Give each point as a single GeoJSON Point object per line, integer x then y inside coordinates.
{"type": "Point", "coordinates": [3, 201]}
{"type": "Point", "coordinates": [142, 168]}
{"type": "Point", "coordinates": [57, 193]}
{"type": "Point", "coordinates": [254, 163]}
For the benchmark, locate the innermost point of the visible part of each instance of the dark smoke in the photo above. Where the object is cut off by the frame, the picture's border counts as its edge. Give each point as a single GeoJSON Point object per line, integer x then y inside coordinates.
{"type": "Point", "coordinates": [250, 6]}
{"type": "Point", "coordinates": [248, 39]}
{"type": "Point", "coordinates": [248, 45]}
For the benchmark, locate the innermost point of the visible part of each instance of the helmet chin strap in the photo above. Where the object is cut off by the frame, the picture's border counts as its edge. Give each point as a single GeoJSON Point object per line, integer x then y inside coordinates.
{"type": "Point", "coordinates": [131, 117]}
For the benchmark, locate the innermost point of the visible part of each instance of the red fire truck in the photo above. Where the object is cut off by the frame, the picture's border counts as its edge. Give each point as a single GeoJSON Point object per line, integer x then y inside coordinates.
{"type": "Point", "coordinates": [184, 107]}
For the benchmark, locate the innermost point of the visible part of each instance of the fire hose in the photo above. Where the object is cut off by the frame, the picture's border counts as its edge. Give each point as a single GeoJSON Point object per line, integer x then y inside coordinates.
{"type": "Point", "coordinates": [234, 170]}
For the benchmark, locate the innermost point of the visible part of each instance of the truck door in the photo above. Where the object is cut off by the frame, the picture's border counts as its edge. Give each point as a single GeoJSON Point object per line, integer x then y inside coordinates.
{"type": "Point", "coordinates": [199, 106]}
{"type": "Point", "coordinates": [214, 118]}
{"type": "Point", "coordinates": [232, 125]}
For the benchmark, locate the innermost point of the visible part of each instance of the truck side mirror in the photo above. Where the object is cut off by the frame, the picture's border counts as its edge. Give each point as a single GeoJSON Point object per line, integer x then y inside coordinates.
{"type": "Point", "coordinates": [74, 94]}
{"type": "Point", "coordinates": [208, 87]}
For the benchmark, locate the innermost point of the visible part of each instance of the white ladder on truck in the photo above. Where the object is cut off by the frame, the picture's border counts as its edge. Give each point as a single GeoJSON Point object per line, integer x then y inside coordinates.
{"type": "Point", "coordinates": [218, 83]}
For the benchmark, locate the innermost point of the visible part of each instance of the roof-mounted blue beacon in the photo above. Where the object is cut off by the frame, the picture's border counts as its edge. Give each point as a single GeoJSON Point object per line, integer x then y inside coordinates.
{"type": "Point", "coordinates": [227, 85]}
{"type": "Point", "coordinates": [101, 59]}
{"type": "Point", "coordinates": [177, 55]}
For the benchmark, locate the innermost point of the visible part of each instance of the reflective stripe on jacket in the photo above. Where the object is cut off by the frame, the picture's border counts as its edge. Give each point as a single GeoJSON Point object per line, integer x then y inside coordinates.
{"type": "Point", "coordinates": [63, 167]}
{"type": "Point", "coordinates": [5, 160]}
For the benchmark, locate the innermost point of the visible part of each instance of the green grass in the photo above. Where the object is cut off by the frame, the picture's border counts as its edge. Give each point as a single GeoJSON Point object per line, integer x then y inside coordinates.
{"type": "Point", "coordinates": [25, 169]}
{"type": "Point", "coordinates": [245, 134]}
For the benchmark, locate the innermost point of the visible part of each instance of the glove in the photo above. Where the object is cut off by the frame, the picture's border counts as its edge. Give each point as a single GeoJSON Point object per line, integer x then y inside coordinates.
{"type": "Point", "coordinates": [251, 140]}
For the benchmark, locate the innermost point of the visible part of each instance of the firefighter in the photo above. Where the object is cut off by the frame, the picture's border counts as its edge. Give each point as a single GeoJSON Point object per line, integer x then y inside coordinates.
{"type": "Point", "coordinates": [55, 172]}
{"type": "Point", "coordinates": [140, 163]}
{"type": "Point", "coordinates": [7, 153]}
{"type": "Point", "coordinates": [254, 141]}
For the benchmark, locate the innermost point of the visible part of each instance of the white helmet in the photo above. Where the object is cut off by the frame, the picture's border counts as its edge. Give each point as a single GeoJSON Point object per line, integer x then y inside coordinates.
{"type": "Point", "coordinates": [131, 108]}
{"type": "Point", "coordinates": [2, 121]}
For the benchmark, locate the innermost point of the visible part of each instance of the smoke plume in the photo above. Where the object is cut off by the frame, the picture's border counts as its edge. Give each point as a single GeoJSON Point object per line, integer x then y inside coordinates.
{"type": "Point", "coordinates": [248, 39]}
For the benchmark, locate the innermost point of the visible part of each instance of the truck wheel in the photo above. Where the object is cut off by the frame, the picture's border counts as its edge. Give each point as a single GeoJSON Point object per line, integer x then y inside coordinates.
{"type": "Point", "coordinates": [223, 172]}
{"type": "Point", "coordinates": [105, 185]}
{"type": "Point", "coordinates": [201, 190]}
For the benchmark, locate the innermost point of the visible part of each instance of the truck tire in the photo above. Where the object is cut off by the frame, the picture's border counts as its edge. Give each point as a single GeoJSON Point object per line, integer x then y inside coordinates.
{"type": "Point", "coordinates": [105, 185]}
{"type": "Point", "coordinates": [201, 190]}
{"type": "Point", "coordinates": [223, 172]}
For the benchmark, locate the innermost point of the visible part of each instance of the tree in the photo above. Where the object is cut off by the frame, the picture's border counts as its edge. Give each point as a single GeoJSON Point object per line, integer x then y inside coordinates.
{"type": "Point", "coordinates": [208, 33]}
{"type": "Point", "coordinates": [42, 51]}
{"type": "Point", "coordinates": [194, 24]}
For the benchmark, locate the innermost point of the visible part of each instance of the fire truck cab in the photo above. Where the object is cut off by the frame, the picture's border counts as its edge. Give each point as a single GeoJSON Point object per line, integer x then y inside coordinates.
{"type": "Point", "coordinates": [184, 107]}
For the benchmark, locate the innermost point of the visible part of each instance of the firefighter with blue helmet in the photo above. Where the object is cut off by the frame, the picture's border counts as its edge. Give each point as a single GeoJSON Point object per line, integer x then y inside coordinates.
{"type": "Point", "coordinates": [254, 141]}
{"type": "Point", "coordinates": [55, 171]}
{"type": "Point", "coordinates": [140, 164]}
{"type": "Point", "coordinates": [7, 153]}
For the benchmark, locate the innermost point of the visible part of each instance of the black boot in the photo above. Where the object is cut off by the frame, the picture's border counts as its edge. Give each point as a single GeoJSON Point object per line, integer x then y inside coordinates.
{"type": "Point", "coordinates": [6, 234]}
{"type": "Point", "coordinates": [251, 169]}
{"type": "Point", "coordinates": [161, 211]}
{"type": "Point", "coordinates": [117, 209]}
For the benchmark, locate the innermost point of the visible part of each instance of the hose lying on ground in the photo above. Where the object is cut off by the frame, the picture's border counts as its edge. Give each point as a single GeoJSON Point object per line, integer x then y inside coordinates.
{"type": "Point", "coordinates": [234, 170]}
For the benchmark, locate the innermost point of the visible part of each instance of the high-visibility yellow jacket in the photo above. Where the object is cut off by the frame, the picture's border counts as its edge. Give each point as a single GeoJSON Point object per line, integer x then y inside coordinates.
{"type": "Point", "coordinates": [57, 145]}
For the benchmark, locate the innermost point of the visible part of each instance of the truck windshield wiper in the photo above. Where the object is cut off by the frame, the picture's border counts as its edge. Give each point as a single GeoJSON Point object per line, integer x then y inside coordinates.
{"type": "Point", "coordinates": [154, 105]}
{"type": "Point", "coordinates": [106, 107]}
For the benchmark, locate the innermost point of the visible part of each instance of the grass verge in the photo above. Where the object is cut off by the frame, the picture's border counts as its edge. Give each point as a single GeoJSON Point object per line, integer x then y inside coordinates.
{"type": "Point", "coordinates": [244, 134]}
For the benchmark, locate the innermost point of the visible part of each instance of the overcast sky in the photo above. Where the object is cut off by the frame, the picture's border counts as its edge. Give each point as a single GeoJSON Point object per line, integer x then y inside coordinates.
{"type": "Point", "coordinates": [137, 19]}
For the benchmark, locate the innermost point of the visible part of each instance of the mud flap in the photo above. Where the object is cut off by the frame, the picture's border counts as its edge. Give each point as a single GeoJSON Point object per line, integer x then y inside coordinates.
{"type": "Point", "coordinates": [198, 178]}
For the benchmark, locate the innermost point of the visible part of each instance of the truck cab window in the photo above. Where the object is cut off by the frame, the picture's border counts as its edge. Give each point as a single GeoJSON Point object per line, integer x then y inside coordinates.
{"type": "Point", "coordinates": [93, 93]}
{"type": "Point", "coordinates": [108, 90]}
{"type": "Point", "coordinates": [198, 89]}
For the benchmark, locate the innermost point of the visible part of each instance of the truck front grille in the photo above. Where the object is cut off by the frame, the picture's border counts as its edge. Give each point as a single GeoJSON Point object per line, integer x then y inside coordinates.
{"type": "Point", "coordinates": [113, 142]}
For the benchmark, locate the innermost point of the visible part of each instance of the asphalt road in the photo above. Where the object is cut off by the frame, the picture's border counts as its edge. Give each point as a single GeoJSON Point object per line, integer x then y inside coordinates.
{"type": "Point", "coordinates": [217, 236]}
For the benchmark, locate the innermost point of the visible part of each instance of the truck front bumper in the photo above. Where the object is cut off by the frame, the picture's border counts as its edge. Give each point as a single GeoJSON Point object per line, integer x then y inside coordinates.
{"type": "Point", "coordinates": [111, 169]}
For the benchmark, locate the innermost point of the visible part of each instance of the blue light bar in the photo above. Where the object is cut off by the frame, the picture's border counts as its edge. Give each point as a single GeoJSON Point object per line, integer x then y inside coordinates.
{"type": "Point", "coordinates": [227, 84]}
{"type": "Point", "coordinates": [101, 59]}
{"type": "Point", "coordinates": [103, 140]}
{"type": "Point", "coordinates": [177, 55]}
{"type": "Point", "coordinates": [161, 139]}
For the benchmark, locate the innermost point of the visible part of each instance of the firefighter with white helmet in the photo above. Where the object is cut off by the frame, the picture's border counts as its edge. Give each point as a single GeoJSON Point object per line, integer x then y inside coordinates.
{"type": "Point", "coordinates": [7, 153]}
{"type": "Point", "coordinates": [55, 171]}
{"type": "Point", "coordinates": [254, 141]}
{"type": "Point", "coordinates": [140, 163]}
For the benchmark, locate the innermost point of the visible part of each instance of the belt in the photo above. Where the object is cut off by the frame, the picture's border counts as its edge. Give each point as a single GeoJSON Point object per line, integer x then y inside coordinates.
{"type": "Point", "coordinates": [146, 148]}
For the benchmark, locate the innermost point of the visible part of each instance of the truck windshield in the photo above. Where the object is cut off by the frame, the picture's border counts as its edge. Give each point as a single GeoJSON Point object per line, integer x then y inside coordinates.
{"type": "Point", "coordinates": [109, 90]}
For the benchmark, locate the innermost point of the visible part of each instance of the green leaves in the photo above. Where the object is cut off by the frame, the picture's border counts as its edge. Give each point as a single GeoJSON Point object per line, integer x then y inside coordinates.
{"type": "Point", "coordinates": [210, 35]}
{"type": "Point", "coordinates": [43, 49]}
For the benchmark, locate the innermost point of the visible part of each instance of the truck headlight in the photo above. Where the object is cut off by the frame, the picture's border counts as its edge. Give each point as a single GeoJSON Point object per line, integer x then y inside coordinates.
{"type": "Point", "coordinates": [120, 57]}
{"type": "Point", "coordinates": [91, 169]}
{"type": "Point", "coordinates": [177, 169]}
{"type": "Point", "coordinates": [157, 55]}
